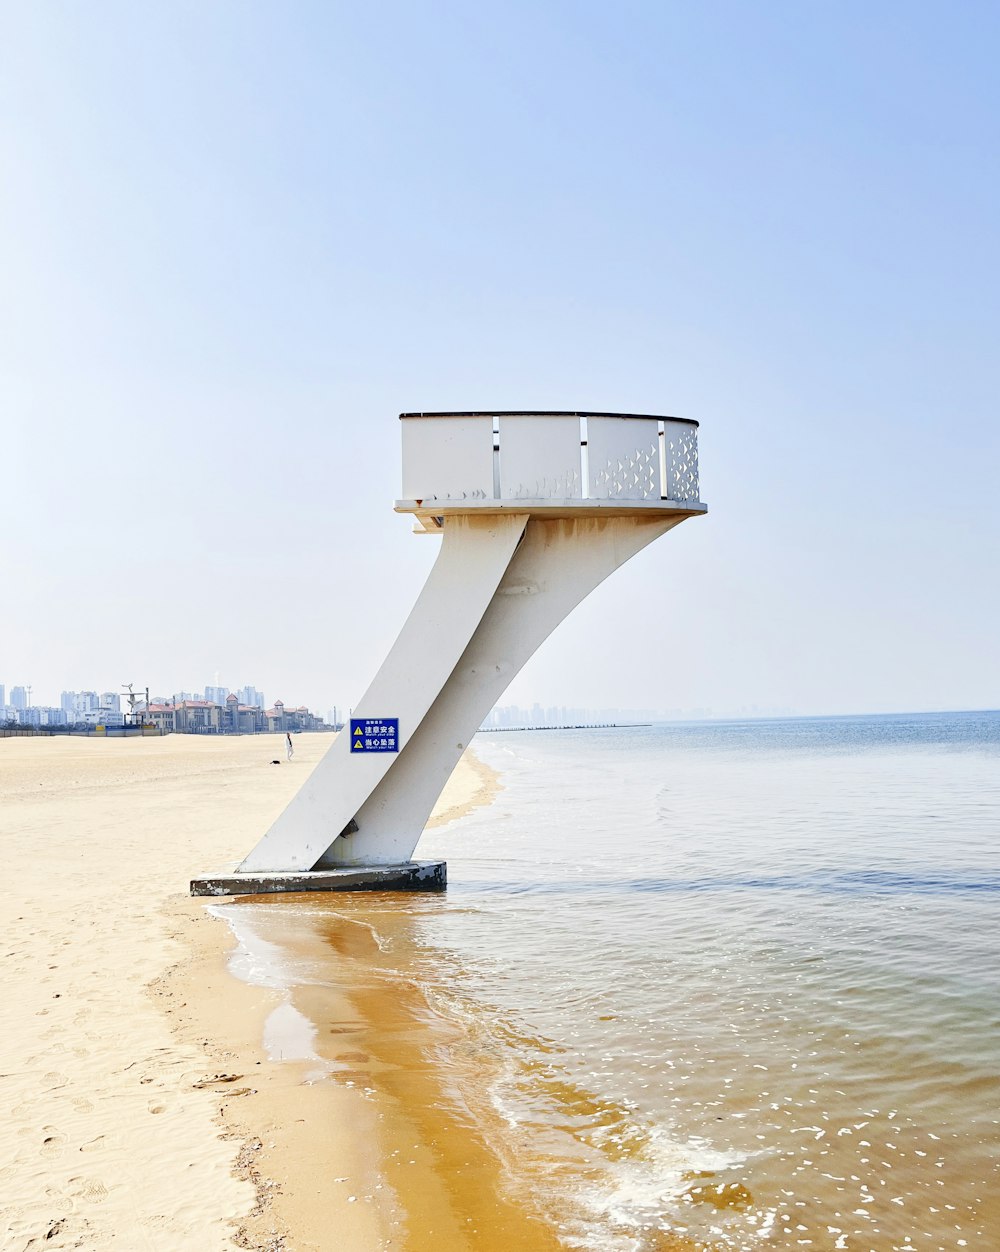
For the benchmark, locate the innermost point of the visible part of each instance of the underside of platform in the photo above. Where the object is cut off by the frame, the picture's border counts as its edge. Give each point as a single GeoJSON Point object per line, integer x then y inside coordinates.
{"type": "Point", "coordinates": [407, 876]}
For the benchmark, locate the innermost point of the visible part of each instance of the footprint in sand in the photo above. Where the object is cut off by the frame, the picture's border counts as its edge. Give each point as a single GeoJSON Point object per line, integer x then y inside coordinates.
{"type": "Point", "coordinates": [356, 1058]}
{"type": "Point", "coordinates": [92, 1145]}
{"type": "Point", "coordinates": [53, 1142]}
{"type": "Point", "coordinates": [155, 1107]}
{"type": "Point", "coordinates": [90, 1189]}
{"type": "Point", "coordinates": [55, 1080]}
{"type": "Point", "coordinates": [58, 1201]}
{"type": "Point", "coordinates": [82, 1104]}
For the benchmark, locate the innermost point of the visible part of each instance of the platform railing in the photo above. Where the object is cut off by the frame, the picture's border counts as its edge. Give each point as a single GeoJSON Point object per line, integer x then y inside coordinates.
{"type": "Point", "coordinates": [549, 457]}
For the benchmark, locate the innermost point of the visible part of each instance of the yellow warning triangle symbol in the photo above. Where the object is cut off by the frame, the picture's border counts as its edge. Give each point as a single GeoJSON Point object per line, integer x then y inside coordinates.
{"type": "Point", "coordinates": [357, 732]}
{"type": "Point", "coordinates": [358, 745]}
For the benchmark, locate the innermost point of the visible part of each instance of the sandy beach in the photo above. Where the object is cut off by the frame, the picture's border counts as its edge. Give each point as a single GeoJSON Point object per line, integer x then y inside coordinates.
{"type": "Point", "coordinates": [140, 1109]}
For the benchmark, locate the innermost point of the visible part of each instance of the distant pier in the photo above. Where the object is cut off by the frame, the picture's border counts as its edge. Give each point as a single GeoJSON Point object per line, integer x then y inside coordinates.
{"type": "Point", "coordinates": [489, 730]}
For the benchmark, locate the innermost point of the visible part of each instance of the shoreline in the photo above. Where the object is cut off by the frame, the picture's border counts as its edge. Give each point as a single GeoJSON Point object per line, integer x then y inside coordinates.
{"type": "Point", "coordinates": [144, 1111]}
{"type": "Point", "coordinates": [266, 1109]}
{"type": "Point", "coordinates": [315, 1133]}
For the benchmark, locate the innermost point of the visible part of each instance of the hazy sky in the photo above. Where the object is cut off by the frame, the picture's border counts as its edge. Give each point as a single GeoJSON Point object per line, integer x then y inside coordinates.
{"type": "Point", "coordinates": [237, 239]}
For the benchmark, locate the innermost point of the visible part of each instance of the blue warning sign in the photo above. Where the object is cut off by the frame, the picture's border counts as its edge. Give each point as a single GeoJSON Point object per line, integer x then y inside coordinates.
{"type": "Point", "coordinates": [374, 734]}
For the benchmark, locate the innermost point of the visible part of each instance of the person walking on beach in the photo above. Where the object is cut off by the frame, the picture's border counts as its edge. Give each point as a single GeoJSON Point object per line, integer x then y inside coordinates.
{"type": "Point", "coordinates": [289, 749]}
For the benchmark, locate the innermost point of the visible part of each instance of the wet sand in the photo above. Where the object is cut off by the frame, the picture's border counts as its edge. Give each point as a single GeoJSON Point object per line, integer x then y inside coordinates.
{"type": "Point", "coordinates": [140, 1108]}
{"type": "Point", "coordinates": [446, 1170]}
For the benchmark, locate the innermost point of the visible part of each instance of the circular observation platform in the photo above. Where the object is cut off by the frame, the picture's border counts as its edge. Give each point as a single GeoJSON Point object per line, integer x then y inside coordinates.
{"type": "Point", "coordinates": [553, 464]}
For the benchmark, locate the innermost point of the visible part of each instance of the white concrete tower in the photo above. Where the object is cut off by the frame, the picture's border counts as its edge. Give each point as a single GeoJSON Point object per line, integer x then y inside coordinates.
{"type": "Point", "coordinates": [534, 510]}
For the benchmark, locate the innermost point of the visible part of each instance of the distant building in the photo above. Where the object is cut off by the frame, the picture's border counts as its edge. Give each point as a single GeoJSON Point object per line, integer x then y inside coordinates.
{"type": "Point", "coordinates": [276, 717]}
{"type": "Point", "coordinates": [197, 716]}
{"type": "Point", "coordinates": [97, 717]}
{"type": "Point", "coordinates": [242, 719]}
{"type": "Point", "coordinates": [283, 719]}
{"type": "Point", "coordinates": [18, 697]}
{"type": "Point", "coordinates": [218, 695]}
{"type": "Point", "coordinates": [3, 696]}
{"type": "Point", "coordinates": [85, 703]}
{"type": "Point", "coordinates": [66, 701]}
{"type": "Point", "coordinates": [111, 700]}
{"type": "Point", "coordinates": [160, 715]}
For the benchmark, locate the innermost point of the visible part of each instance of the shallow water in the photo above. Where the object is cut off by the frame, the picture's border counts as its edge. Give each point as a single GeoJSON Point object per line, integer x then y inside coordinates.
{"type": "Point", "coordinates": [735, 983]}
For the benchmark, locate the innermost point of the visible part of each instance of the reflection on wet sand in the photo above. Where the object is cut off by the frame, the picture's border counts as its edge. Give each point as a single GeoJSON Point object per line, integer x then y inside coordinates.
{"type": "Point", "coordinates": [375, 1029]}
{"type": "Point", "coordinates": [383, 1013]}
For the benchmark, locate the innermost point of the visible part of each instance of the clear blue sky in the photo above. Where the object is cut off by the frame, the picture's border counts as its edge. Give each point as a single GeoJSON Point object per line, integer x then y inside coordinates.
{"type": "Point", "coordinates": [236, 239]}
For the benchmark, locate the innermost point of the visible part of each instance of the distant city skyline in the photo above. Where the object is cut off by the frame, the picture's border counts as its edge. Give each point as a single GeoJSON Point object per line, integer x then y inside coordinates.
{"type": "Point", "coordinates": [89, 705]}
{"type": "Point", "coordinates": [214, 710]}
{"type": "Point", "coordinates": [18, 697]}
{"type": "Point", "coordinates": [509, 716]}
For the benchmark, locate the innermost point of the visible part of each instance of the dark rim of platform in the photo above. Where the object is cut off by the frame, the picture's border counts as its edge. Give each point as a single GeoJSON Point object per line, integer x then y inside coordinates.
{"type": "Point", "coordinates": [653, 417]}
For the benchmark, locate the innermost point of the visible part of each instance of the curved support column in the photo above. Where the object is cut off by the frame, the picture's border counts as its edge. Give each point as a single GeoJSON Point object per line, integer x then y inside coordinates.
{"type": "Point", "coordinates": [558, 563]}
{"type": "Point", "coordinates": [535, 510]}
{"type": "Point", "coordinates": [474, 557]}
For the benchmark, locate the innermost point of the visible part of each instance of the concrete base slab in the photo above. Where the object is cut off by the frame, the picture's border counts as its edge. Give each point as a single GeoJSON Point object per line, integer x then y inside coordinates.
{"type": "Point", "coordinates": [408, 876]}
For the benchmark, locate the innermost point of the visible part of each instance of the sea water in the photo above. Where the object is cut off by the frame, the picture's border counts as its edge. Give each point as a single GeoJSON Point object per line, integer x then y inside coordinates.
{"type": "Point", "coordinates": [737, 983]}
